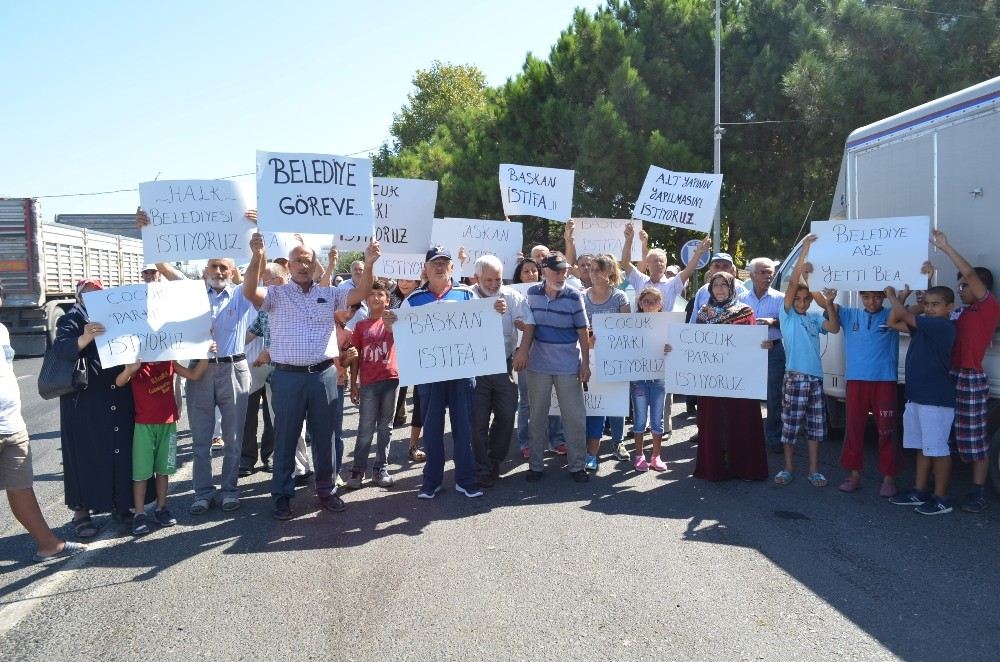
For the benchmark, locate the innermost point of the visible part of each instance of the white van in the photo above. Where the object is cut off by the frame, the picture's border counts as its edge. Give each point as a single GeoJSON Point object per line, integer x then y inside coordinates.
{"type": "Point", "coordinates": [942, 160]}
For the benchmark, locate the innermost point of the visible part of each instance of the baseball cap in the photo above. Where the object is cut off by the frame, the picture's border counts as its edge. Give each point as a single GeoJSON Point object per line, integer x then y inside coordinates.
{"type": "Point", "coordinates": [149, 267]}
{"type": "Point", "coordinates": [437, 253]}
{"type": "Point", "coordinates": [83, 282]}
{"type": "Point", "coordinates": [673, 269]}
{"type": "Point", "coordinates": [555, 261]}
{"type": "Point", "coordinates": [723, 256]}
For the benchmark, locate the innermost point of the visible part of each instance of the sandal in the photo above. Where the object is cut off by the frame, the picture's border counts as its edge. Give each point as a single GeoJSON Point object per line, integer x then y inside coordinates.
{"type": "Point", "coordinates": [417, 454]}
{"type": "Point", "coordinates": [84, 527]}
{"type": "Point", "coordinates": [783, 477]}
{"type": "Point", "coordinates": [817, 479]}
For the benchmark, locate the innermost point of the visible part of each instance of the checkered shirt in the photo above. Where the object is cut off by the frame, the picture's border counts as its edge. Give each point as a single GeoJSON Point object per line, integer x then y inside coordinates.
{"type": "Point", "coordinates": [302, 324]}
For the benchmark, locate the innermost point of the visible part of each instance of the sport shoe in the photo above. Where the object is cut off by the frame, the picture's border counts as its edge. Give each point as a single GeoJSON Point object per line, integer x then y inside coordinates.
{"type": "Point", "coordinates": [850, 484]}
{"type": "Point", "coordinates": [229, 504]}
{"type": "Point", "coordinates": [591, 463]}
{"type": "Point", "coordinates": [428, 492]}
{"type": "Point", "coordinates": [164, 517]}
{"type": "Point", "coordinates": [621, 453]}
{"type": "Point", "coordinates": [580, 476]}
{"type": "Point", "coordinates": [199, 507]}
{"type": "Point", "coordinates": [910, 498]}
{"type": "Point", "coordinates": [935, 506]}
{"type": "Point", "coordinates": [472, 491]}
{"type": "Point", "coordinates": [560, 449]}
{"type": "Point", "coordinates": [332, 503]}
{"type": "Point", "coordinates": [640, 463]}
{"type": "Point", "coordinates": [140, 525]}
{"type": "Point", "coordinates": [282, 509]}
{"type": "Point", "coordinates": [356, 479]}
{"type": "Point", "coordinates": [657, 464]}
{"type": "Point", "coordinates": [381, 477]}
{"type": "Point", "coordinates": [974, 502]}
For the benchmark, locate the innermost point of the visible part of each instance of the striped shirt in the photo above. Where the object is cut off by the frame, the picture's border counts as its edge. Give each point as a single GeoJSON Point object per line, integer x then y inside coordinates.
{"type": "Point", "coordinates": [232, 313]}
{"type": "Point", "coordinates": [555, 349]}
{"type": "Point", "coordinates": [302, 324]}
{"type": "Point", "coordinates": [423, 296]}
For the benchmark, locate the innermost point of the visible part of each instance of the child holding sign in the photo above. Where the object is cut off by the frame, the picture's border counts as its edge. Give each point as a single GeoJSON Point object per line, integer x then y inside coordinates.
{"type": "Point", "coordinates": [154, 442]}
{"type": "Point", "coordinates": [803, 388]}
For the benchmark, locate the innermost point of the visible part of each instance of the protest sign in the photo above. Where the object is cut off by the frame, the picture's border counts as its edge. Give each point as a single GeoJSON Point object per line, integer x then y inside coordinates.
{"type": "Point", "coordinates": [523, 287]}
{"type": "Point", "coordinates": [499, 238]}
{"type": "Point", "coordinates": [407, 266]}
{"type": "Point", "coordinates": [195, 219]}
{"type": "Point", "coordinates": [720, 360]}
{"type": "Point", "coordinates": [869, 254]}
{"type": "Point", "coordinates": [404, 215]}
{"type": "Point", "coordinates": [163, 321]}
{"type": "Point", "coordinates": [605, 236]}
{"type": "Point", "coordinates": [533, 191]}
{"type": "Point", "coordinates": [279, 244]}
{"type": "Point", "coordinates": [681, 199]}
{"type": "Point", "coordinates": [314, 193]}
{"type": "Point", "coordinates": [629, 346]}
{"type": "Point", "coordinates": [448, 340]}
{"type": "Point", "coordinates": [609, 399]}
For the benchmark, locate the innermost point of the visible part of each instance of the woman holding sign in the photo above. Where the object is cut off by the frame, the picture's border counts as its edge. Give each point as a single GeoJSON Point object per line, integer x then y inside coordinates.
{"type": "Point", "coordinates": [95, 424]}
{"type": "Point", "coordinates": [730, 430]}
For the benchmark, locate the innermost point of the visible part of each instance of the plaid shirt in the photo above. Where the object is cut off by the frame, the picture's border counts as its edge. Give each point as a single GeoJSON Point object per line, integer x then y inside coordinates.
{"type": "Point", "coordinates": [261, 328]}
{"type": "Point", "coordinates": [301, 323]}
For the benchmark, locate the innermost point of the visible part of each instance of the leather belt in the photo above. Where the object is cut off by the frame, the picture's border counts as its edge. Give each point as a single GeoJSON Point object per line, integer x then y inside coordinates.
{"type": "Point", "coordinates": [315, 367]}
{"type": "Point", "coordinates": [235, 358]}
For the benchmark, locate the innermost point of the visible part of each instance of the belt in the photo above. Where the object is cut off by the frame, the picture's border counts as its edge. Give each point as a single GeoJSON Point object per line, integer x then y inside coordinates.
{"type": "Point", "coordinates": [235, 358]}
{"type": "Point", "coordinates": [315, 367]}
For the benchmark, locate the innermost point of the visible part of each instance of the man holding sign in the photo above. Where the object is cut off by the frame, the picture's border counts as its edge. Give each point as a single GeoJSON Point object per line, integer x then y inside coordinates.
{"type": "Point", "coordinates": [305, 353]}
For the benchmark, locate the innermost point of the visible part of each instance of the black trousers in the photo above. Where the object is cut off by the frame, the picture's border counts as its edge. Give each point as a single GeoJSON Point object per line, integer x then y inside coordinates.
{"type": "Point", "coordinates": [249, 455]}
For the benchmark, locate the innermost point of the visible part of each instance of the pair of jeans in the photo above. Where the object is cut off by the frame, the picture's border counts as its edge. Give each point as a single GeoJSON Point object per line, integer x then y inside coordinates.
{"type": "Point", "coordinates": [556, 434]}
{"type": "Point", "coordinates": [648, 397]}
{"type": "Point", "coordinates": [595, 427]}
{"type": "Point", "coordinates": [456, 396]}
{"type": "Point", "coordinates": [303, 460]}
{"type": "Point", "coordinates": [338, 429]}
{"type": "Point", "coordinates": [298, 397]}
{"type": "Point", "coordinates": [495, 396]}
{"type": "Point", "coordinates": [569, 390]}
{"type": "Point", "coordinates": [376, 409]}
{"type": "Point", "coordinates": [775, 379]}
{"type": "Point", "coordinates": [226, 386]}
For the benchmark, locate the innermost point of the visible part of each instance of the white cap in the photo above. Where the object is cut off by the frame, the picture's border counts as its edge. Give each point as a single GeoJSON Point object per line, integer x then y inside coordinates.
{"type": "Point", "coordinates": [150, 267]}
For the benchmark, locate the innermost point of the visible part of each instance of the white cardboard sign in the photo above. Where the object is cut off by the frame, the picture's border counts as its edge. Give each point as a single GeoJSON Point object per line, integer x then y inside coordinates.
{"type": "Point", "coordinates": [720, 360]}
{"type": "Point", "coordinates": [605, 236]}
{"type": "Point", "coordinates": [163, 321]}
{"type": "Point", "coordinates": [534, 191]}
{"type": "Point", "coordinates": [448, 340]}
{"type": "Point", "coordinates": [599, 399]}
{"type": "Point", "coordinates": [500, 238]}
{"type": "Point", "coordinates": [407, 266]}
{"type": "Point", "coordinates": [629, 346]}
{"type": "Point", "coordinates": [314, 193]}
{"type": "Point", "coordinates": [681, 199]}
{"type": "Point", "coordinates": [404, 215]}
{"type": "Point", "coordinates": [869, 254]}
{"type": "Point", "coordinates": [195, 219]}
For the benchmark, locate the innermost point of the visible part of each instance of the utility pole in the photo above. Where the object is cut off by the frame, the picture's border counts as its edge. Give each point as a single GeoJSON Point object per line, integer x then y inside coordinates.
{"type": "Point", "coordinates": [718, 131]}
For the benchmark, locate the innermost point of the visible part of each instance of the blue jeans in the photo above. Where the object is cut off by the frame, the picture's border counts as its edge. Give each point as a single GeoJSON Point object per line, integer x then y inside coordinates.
{"type": "Point", "coordinates": [456, 396]}
{"type": "Point", "coordinates": [338, 429]}
{"type": "Point", "coordinates": [377, 407]}
{"type": "Point", "coordinates": [595, 427]}
{"type": "Point", "coordinates": [775, 379]}
{"type": "Point", "coordinates": [647, 400]}
{"type": "Point", "coordinates": [298, 397]}
{"type": "Point", "coordinates": [556, 435]}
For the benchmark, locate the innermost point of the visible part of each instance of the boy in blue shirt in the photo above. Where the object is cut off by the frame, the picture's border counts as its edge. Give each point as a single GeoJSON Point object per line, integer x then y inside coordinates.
{"type": "Point", "coordinates": [803, 386]}
{"type": "Point", "coordinates": [930, 395]}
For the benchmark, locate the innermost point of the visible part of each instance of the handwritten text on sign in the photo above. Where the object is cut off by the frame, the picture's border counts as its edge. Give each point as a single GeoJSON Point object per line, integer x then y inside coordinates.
{"type": "Point", "coordinates": [681, 199]}
{"type": "Point", "coordinates": [601, 236]}
{"type": "Point", "coordinates": [404, 213]}
{"type": "Point", "coordinates": [315, 193]}
{"type": "Point", "coordinates": [599, 399]}
{"type": "Point", "coordinates": [499, 238]}
{"type": "Point", "coordinates": [151, 322]}
{"type": "Point", "coordinates": [721, 360]}
{"type": "Point", "coordinates": [629, 346]}
{"type": "Point", "coordinates": [533, 191]}
{"type": "Point", "coordinates": [869, 254]}
{"type": "Point", "coordinates": [406, 266]}
{"type": "Point", "coordinates": [448, 340]}
{"type": "Point", "coordinates": [194, 219]}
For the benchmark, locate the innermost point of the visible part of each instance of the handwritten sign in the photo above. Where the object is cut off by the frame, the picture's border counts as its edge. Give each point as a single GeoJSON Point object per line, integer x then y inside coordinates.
{"type": "Point", "coordinates": [533, 191]}
{"type": "Point", "coordinates": [869, 254]}
{"type": "Point", "coordinates": [721, 360]}
{"type": "Point", "coordinates": [599, 399]}
{"type": "Point", "coordinates": [151, 322]}
{"type": "Point", "coordinates": [195, 219]}
{"type": "Point", "coordinates": [605, 236]}
{"type": "Point", "coordinates": [314, 193]}
{"type": "Point", "coordinates": [449, 340]}
{"type": "Point", "coordinates": [500, 238]}
{"type": "Point", "coordinates": [681, 199]}
{"type": "Point", "coordinates": [629, 346]}
{"type": "Point", "coordinates": [404, 215]}
{"type": "Point", "coordinates": [407, 266]}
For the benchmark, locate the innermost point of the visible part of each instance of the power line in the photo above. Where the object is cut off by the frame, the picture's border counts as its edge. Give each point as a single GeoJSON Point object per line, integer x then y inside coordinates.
{"type": "Point", "coordinates": [935, 13]}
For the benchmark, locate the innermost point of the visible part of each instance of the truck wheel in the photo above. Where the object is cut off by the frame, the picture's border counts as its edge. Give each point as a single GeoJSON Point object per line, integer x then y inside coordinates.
{"type": "Point", "coordinates": [52, 315]}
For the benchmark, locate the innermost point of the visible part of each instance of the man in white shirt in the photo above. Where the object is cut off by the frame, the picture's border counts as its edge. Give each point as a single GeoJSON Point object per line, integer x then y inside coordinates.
{"type": "Point", "coordinates": [767, 304]}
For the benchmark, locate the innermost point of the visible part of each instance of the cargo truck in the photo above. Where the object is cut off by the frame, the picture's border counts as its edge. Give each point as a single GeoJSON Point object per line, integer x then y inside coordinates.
{"type": "Point", "coordinates": [40, 264]}
{"type": "Point", "coordinates": [942, 160]}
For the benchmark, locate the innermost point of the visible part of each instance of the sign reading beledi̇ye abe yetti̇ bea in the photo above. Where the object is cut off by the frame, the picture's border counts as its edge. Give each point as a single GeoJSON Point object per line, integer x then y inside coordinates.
{"type": "Point", "coordinates": [151, 322]}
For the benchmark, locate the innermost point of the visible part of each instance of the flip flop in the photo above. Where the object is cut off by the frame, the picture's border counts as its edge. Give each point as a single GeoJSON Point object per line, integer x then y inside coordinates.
{"type": "Point", "coordinates": [84, 527]}
{"type": "Point", "coordinates": [783, 477]}
{"type": "Point", "coordinates": [817, 479]}
{"type": "Point", "coordinates": [69, 549]}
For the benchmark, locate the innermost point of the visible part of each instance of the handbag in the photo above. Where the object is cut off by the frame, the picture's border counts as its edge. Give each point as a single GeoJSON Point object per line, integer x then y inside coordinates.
{"type": "Point", "coordinates": [60, 376]}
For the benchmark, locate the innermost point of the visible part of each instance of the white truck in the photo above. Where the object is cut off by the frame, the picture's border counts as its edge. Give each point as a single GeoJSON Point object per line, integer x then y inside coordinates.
{"type": "Point", "coordinates": [40, 264]}
{"type": "Point", "coordinates": [941, 160]}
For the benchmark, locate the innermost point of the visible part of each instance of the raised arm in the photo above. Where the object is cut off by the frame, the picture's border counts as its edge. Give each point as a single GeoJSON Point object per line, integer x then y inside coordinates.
{"type": "Point", "coordinates": [331, 267]}
{"type": "Point", "coordinates": [826, 301]}
{"type": "Point", "coordinates": [640, 264]}
{"type": "Point", "coordinates": [627, 249]}
{"type": "Point", "coordinates": [900, 318]}
{"type": "Point", "coordinates": [940, 242]}
{"type": "Point", "coordinates": [800, 265]}
{"type": "Point", "coordinates": [251, 281]}
{"type": "Point", "coordinates": [361, 292]}
{"type": "Point", "coordinates": [692, 264]}
{"type": "Point", "coordinates": [570, 252]}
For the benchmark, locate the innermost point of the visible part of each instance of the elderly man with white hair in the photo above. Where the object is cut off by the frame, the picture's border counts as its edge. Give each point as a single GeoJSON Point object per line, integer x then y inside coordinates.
{"type": "Point", "coordinates": [767, 304]}
{"type": "Point", "coordinates": [496, 395]}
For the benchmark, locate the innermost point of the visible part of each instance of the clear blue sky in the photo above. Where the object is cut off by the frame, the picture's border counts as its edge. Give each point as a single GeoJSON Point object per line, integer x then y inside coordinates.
{"type": "Point", "coordinates": [99, 96]}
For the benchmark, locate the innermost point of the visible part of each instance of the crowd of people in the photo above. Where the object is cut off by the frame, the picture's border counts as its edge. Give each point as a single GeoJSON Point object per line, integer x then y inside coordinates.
{"type": "Point", "coordinates": [288, 339]}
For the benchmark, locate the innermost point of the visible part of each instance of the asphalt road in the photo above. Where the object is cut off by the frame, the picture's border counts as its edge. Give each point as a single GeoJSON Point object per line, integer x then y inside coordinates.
{"type": "Point", "coordinates": [628, 566]}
